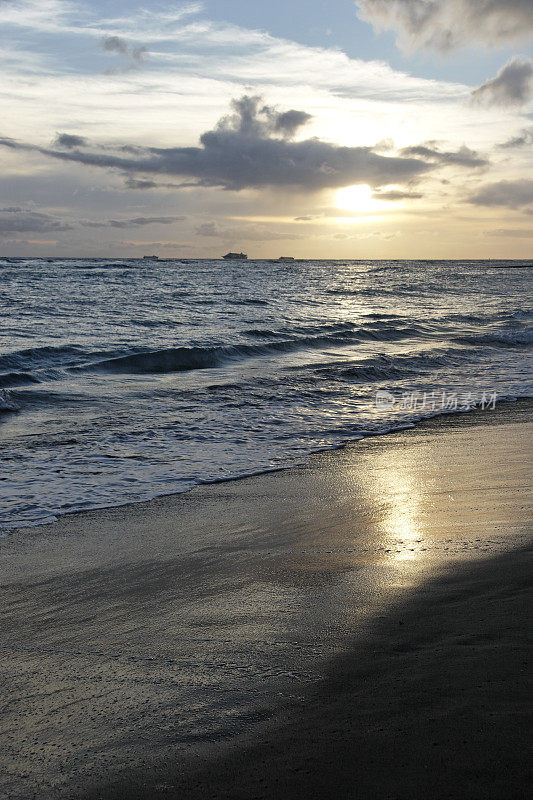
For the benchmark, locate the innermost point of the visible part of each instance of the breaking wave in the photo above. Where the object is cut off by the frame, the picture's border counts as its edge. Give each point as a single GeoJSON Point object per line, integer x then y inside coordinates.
{"type": "Point", "coordinates": [181, 359]}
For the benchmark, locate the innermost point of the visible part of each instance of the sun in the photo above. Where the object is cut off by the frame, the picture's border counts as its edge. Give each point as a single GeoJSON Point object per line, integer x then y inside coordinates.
{"type": "Point", "coordinates": [357, 198]}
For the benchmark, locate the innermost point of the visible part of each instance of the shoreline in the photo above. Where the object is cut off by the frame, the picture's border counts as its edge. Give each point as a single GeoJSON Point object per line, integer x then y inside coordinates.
{"type": "Point", "coordinates": [149, 642]}
{"type": "Point", "coordinates": [501, 405]}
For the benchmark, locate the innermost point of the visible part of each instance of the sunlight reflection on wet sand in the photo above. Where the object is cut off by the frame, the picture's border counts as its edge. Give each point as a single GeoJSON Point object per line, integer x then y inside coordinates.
{"type": "Point", "coordinates": [181, 618]}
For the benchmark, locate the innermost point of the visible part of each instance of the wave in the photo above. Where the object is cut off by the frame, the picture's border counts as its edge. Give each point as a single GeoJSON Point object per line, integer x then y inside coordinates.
{"type": "Point", "coordinates": [99, 265]}
{"type": "Point", "coordinates": [300, 330]}
{"type": "Point", "coordinates": [7, 403]}
{"type": "Point", "coordinates": [261, 333]}
{"type": "Point", "coordinates": [33, 365]}
{"type": "Point", "coordinates": [378, 292]}
{"type": "Point", "coordinates": [514, 338]}
{"type": "Point", "coordinates": [250, 301]}
{"type": "Point", "coordinates": [8, 379]}
{"type": "Point", "coordinates": [182, 359]}
{"type": "Point", "coordinates": [382, 367]}
{"type": "Point", "coordinates": [38, 357]}
{"type": "Point", "coordinates": [508, 317]}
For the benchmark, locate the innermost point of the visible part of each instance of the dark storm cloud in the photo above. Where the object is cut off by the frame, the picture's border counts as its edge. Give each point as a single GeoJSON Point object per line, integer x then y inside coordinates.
{"type": "Point", "coordinates": [512, 86]}
{"type": "Point", "coordinates": [248, 150]}
{"type": "Point", "coordinates": [513, 194]}
{"type": "Point", "coordinates": [447, 24]}
{"type": "Point", "coordinates": [69, 140]}
{"type": "Point", "coordinates": [464, 157]}
{"type": "Point", "coordinates": [136, 222]}
{"type": "Point", "coordinates": [19, 220]}
{"type": "Point", "coordinates": [524, 139]}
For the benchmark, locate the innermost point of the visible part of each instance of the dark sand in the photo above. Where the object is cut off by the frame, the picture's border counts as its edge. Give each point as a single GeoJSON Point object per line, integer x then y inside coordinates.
{"type": "Point", "coordinates": [357, 627]}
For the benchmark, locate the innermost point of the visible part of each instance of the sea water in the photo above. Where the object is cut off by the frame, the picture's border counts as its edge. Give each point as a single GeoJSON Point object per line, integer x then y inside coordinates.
{"type": "Point", "coordinates": [124, 380]}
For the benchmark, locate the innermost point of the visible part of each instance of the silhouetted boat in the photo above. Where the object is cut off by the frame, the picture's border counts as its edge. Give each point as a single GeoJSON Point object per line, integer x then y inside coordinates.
{"type": "Point", "coordinates": [284, 259]}
{"type": "Point", "coordinates": [235, 257]}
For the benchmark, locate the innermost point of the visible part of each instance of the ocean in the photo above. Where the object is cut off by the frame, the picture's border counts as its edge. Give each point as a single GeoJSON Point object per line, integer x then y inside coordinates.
{"type": "Point", "coordinates": [122, 380]}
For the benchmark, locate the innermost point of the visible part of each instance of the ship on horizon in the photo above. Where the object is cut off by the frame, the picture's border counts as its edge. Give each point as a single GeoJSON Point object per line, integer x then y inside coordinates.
{"type": "Point", "coordinates": [235, 257]}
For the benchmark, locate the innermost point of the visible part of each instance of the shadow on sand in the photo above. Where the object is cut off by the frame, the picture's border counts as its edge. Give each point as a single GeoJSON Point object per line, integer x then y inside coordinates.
{"type": "Point", "coordinates": [432, 703]}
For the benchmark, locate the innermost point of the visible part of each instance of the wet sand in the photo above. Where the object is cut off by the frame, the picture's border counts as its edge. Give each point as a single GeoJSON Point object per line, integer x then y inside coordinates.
{"type": "Point", "coordinates": [355, 627]}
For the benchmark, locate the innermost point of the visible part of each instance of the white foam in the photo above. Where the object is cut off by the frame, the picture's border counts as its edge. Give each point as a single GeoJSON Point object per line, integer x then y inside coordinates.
{"type": "Point", "coordinates": [6, 402]}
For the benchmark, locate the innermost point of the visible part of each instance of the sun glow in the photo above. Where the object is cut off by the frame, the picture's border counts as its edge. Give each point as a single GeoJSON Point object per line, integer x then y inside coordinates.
{"type": "Point", "coordinates": [357, 198]}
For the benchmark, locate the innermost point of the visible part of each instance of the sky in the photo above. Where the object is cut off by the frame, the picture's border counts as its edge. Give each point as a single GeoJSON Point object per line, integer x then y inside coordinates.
{"type": "Point", "coordinates": [346, 129]}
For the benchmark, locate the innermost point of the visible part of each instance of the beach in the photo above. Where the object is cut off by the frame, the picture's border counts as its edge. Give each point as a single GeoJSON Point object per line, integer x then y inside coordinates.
{"type": "Point", "coordinates": [354, 626]}
{"type": "Point", "coordinates": [266, 400]}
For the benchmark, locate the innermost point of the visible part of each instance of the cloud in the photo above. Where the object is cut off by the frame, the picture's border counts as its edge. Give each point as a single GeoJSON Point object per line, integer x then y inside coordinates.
{"type": "Point", "coordinates": [134, 183]}
{"type": "Point", "coordinates": [145, 184]}
{"type": "Point", "coordinates": [149, 245]}
{"type": "Point", "coordinates": [247, 149]}
{"type": "Point", "coordinates": [250, 233]}
{"type": "Point", "coordinates": [512, 233]}
{"type": "Point", "coordinates": [208, 229]}
{"type": "Point", "coordinates": [69, 140]}
{"type": "Point", "coordinates": [395, 194]}
{"type": "Point", "coordinates": [251, 118]}
{"type": "Point", "coordinates": [136, 222]}
{"type": "Point", "coordinates": [464, 157]}
{"type": "Point", "coordinates": [444, 25]}
{"type": "Point", "coordinates": [39, 15]}
{"type": "Point", "coordinates": [64, 16]}
{"type": "Point", "coordinates": [20, 220]}
{"type": "Point", "coordinates": [513, 194]}
{"type": "Point", "coordinates": [524, 139]}
{"type": "Point", "coordinates": [512, 86]}
{"type": "Point", "coordinates": [289, 121]}
{"type": "Point", "coordinates": [134, 55]}
{"type": "Point", "coordinates": [114, 44]}
{"type": "Point", "coordinates": [368, 235]}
